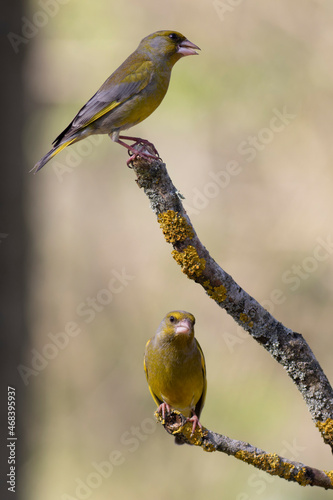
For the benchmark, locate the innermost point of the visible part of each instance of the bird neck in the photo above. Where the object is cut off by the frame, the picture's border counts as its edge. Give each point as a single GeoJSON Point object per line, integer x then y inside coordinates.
{"type": "Point", "coordinates": [183, 341]}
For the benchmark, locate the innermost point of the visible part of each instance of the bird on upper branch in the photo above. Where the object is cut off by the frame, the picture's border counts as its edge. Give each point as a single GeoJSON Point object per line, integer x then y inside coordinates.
{"type": "Point", "coordinates": [128, 96]}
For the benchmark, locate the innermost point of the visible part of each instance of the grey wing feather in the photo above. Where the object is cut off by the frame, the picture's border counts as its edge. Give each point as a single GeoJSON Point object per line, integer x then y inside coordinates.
{"type": "Point", "coordinates": [110, 95]}
{"type": "Point", "coordinates": [112, 92]}
{"type": "Point", "coordinates": [102, 99]}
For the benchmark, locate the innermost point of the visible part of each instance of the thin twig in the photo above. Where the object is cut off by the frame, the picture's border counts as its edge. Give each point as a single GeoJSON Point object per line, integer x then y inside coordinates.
{"type": "Point", "coordinates": [176, 424]}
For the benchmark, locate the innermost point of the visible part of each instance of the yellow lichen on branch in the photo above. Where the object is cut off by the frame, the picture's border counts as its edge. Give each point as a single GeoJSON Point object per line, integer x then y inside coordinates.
{"type": "Point", "coordinates": [326, 430]}
{"type": "Point", "coordinates": [330, 475]}
{"type": "Point", "coordinates": [274, 465]}
{"type": "Point", "coordinates": [245, 319]}
{"type": "Point", "coordinates": [217, 293]}
{"type": "Point", "coordinates": [192, 265]}
{"type": "Point", "coordinates": [174, 227]}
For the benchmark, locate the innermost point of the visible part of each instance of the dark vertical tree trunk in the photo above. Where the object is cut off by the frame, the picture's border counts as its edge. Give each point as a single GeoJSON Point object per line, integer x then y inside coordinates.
{"type": "Point", "coordinates": [13, 238]}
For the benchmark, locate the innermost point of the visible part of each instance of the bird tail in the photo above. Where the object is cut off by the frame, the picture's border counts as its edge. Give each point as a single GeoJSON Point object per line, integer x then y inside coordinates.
{"type": "Point", "coordinates": [54, 151]}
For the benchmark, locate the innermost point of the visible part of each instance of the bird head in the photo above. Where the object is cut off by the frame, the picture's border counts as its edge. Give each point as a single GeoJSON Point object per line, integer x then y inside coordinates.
{"type": "Point", "coordinates": [168, 45]}
{"type": "Point", "coordinates": [177, 324]}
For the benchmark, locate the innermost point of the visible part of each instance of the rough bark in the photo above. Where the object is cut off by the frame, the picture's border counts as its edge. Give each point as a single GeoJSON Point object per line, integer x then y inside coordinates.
{"type": "Point", "coordinates": [176, 424]}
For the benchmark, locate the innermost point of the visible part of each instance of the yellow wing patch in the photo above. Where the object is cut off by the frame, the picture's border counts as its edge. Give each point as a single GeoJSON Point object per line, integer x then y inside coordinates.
{"type": "Point", "coordinates": [144, 362]}
{"type": "Point", "coordinates": [155, 398]}
{"type": "Point", "coordinates": [203, 365]}
{"type": "Point", "coordinates": [62, 146]}
{"type": "Point", "coordinates": [105, 110]}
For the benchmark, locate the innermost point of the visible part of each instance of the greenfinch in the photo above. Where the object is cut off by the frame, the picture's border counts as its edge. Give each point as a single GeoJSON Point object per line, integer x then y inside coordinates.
{"type": "Point", "coordinates": [175, 367]}
{"type": "Point", "coordinates": [128, 96]}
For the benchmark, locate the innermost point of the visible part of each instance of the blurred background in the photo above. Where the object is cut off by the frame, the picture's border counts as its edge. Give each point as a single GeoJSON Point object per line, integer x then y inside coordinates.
{"type": "Point", "coordinates": [246, 133]}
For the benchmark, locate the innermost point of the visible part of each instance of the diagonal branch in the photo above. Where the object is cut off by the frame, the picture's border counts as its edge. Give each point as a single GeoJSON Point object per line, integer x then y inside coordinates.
{"type": "Point", "coordinates": [175, 423]}
{"type": "Point", "coordinates": [287, 347]}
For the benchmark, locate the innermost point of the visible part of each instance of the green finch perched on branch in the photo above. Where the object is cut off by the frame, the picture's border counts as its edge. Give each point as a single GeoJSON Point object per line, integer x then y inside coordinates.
{"type": "Point", "coordinates": [128, 96]}
{"type": "Point", "coordinates": [175, 367]}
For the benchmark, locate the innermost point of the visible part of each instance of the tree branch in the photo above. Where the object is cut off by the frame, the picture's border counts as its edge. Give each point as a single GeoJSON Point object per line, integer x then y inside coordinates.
{"type": "Point", "coordinates": [175, 423]}
{"type": "Point", "coordinates": [285, 346]}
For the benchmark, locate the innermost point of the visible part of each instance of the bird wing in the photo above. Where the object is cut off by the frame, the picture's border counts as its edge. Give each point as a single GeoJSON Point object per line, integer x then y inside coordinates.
{"type": "Point", "coordinates": [201, 402]}
{"type": "Point", "coordinates": [155, 398]}
{"type": "Point", "coordinates": [144, 361]}
{"type": "Point", "coordinates": [111, 94]}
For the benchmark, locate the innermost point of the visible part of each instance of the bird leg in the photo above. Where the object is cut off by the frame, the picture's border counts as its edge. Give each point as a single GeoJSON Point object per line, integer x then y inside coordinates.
{"type": "Point", "coordinates": [138, 140]}
{"type": "Point", "coordinates": [195, 421]}
{"type": "Point", "coordinates": [133, 148]}
{"type": "Point", "coordinates": [162, 408]}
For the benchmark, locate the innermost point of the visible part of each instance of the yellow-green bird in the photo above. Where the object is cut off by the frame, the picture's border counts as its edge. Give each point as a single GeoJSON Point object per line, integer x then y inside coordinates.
{"type": "Point", "coordinates": [129, 95]}
{"type": "Point", "coordinates": [175, 367]}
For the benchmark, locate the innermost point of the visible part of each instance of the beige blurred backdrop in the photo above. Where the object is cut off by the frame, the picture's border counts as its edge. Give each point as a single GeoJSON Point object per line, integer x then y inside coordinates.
{"type": "Point", "coordinates": [246, 133]}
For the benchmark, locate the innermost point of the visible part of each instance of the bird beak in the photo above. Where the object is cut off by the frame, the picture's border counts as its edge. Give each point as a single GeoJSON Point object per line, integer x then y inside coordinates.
{"type": "Point", "coordinates": [184, 326]}
{"type": "Point", "coordinates": [187, 48]}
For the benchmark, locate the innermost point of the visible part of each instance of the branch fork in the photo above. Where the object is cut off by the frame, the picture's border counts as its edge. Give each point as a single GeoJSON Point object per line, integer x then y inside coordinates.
{"type": "Point", "coordinates": [288, 348]}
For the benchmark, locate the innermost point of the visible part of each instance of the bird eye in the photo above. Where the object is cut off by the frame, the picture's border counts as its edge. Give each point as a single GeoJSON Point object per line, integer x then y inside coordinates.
{"type": "Point", "coordinates": [172, 319]}
{"type": "Point", "coordinates": [173, 36]}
